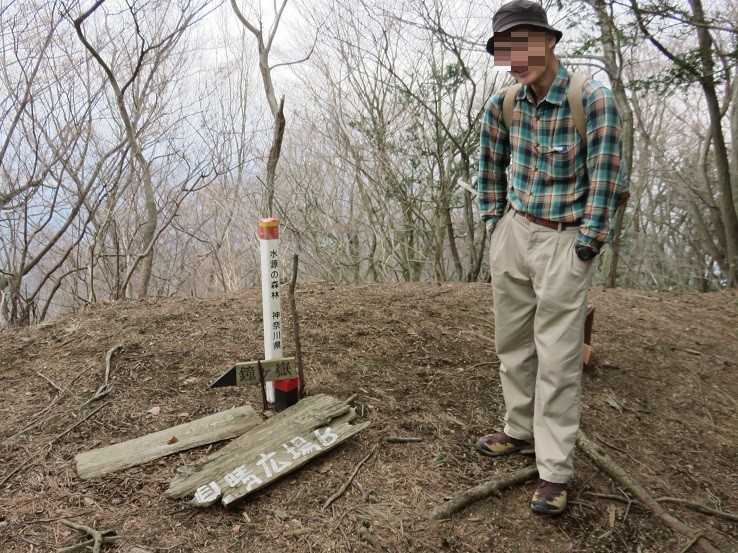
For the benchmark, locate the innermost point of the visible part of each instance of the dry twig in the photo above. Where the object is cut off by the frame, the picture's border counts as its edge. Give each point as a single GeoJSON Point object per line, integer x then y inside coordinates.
{"type": "Point", "coordinates": [38, 417]}
{"type": "Point", "coordinates": [37, 454]}
{"type": "Point", "coordinates": [704, 509]}
{"type": "Point", "coordinates": [699, 507]}
{"type": "Point", "coordinates": [47, 379]}
{"type": "Point", "coordinates": [346, 484]}
{"type": "Point", "coordinates": [106, 387]}
{"type": "Point", "coordinates": [702, 393]}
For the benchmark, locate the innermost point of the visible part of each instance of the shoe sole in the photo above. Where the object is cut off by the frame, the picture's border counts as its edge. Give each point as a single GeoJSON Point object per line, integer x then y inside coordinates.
{"type": "Point", "coordinates": [546, 510]}
{"type": "Point", "coordinates": [526, 449]}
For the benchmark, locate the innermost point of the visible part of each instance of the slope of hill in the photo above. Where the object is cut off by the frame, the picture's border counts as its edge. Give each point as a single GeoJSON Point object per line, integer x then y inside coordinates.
{"type": "Point", "coordinates": [661, 400]}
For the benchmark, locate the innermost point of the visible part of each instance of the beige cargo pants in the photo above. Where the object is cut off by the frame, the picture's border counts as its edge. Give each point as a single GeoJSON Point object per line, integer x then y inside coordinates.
{"type": "Point", "coordinates": [540, 302]}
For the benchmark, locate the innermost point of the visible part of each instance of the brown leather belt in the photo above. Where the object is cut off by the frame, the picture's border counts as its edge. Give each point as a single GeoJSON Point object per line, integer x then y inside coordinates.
{"type": "Point", "coordinates": [553, 225]}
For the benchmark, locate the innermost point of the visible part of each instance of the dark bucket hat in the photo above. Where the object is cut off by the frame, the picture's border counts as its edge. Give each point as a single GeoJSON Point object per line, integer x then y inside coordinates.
{"type": "Point", "coordinates": [519, 12]}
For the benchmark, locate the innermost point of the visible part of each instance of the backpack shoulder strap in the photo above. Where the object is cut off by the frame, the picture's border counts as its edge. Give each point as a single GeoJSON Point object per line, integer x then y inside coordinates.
{"type": "Point", "coordinates": [574, 97]}
{"type": "Point", "coordinates": [508, 104]}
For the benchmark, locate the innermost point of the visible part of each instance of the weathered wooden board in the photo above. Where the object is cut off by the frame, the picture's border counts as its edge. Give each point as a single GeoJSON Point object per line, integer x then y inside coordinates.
{"type": "Point", "coordinates": [277, 447]}
{"type": "Point", "coordinates": [213, 428]}
{"type": "Point", "coordinates": [247, 372]}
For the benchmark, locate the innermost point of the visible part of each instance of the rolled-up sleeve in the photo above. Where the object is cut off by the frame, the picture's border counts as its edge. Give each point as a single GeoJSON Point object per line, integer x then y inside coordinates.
{"type": "Point", "coordinates": [606, 182]}
{"type": "Point", "coordinates": [494, 157]}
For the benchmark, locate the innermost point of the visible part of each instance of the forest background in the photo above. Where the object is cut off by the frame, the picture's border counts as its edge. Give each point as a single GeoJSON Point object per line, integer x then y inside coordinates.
{"type": "Point", "coordinates": [140, 142]}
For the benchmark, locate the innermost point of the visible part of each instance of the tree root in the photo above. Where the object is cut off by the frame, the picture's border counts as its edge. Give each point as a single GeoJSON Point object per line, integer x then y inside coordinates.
{"type": "Point", "coordinates": [98, 538]}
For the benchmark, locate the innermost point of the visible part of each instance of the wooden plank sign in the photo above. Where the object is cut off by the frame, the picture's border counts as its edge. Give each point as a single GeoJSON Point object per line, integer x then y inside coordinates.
{"type": "Point", "coordinates": [213, 428]}
{"type": "Point", "coordinates": [242, 374]}
{"type": "Point", "coordinates": [277, 447]}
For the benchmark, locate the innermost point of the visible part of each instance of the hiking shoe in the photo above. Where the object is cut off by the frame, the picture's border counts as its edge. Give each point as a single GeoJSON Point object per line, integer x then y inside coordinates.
{"type": "Point", "coordinates": [499, 443]}
{"type": "Point", "coordinates": [549, 499]}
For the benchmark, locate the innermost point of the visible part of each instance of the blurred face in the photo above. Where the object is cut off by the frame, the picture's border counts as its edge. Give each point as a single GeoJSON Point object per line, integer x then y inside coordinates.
{"type": "Point", "coordinates": [527, 51]}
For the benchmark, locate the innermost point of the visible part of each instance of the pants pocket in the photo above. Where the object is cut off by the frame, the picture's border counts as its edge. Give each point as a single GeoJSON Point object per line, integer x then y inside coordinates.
{"type": "Point", "coordinates": [497, 240]}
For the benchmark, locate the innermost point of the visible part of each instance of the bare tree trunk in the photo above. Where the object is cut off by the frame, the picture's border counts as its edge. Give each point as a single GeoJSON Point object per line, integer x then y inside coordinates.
{"type": "Point", "coordinates": [277, 108]}
{"type": "Point", "coordinates": [274, 152]}
{"type": "Point", "coordinates": [614, 72]}
{"type": "Point", "coordinates": [149, 230]}
{"type": "Point", "coordinates": [470, 222]}
{"type": "Point", "coordinates": [734, 136]}
{"type": "Point", "coordinates": [727, 204]}
{"type": "Point", "coordinates": [705, 72]}
{"type": "Point", "coordinates": [151, 210]}
{"type": "Point", "coordinates": [612, 274]}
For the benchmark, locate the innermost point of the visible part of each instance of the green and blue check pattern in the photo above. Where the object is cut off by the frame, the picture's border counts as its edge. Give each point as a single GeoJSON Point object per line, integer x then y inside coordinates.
{"type": "Point", "coordinates": [542, 166]}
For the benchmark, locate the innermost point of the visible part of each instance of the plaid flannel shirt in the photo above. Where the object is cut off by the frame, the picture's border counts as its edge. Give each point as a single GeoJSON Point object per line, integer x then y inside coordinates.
{"type": "Point", "coordinates": [550, 171]}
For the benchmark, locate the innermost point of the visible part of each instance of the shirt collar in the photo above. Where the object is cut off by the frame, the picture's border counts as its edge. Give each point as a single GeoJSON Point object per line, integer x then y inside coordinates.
{"type": "Point", "coordinates": [556, 94]}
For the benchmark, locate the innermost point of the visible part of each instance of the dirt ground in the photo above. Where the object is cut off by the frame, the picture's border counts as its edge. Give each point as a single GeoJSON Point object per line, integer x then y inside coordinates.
{"type": "Point", "coordinates": [661, 401]}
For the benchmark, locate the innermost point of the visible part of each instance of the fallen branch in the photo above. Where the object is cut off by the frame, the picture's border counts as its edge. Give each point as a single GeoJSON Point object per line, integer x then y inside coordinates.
{"type": "Point", "coordinates": [611, 469]}
{"type": "Point", "coordinates": [98, 538]}
{"type": "Point", "coordinates": [463, 499]}
{"type": "Point", "coordinates": [346, 484]}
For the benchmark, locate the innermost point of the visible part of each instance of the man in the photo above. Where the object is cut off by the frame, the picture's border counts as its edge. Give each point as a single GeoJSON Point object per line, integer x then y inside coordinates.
{"type": "Point", "coordinates": [547, 196]}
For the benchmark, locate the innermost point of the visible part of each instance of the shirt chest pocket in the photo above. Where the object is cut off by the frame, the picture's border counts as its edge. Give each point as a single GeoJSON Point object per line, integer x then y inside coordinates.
{"type": "Point", "coordinates": [561, 164]}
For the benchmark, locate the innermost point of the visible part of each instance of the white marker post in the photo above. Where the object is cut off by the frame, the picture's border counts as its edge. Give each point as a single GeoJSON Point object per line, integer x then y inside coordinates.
{"type": "Point", "coordinates": [284, 392]}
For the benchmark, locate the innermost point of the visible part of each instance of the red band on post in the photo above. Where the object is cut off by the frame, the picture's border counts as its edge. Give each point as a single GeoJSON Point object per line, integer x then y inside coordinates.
{"type": "Point", "coordinates": [286, 385]}
{"type": "Point", "coordinates": [268, 229]}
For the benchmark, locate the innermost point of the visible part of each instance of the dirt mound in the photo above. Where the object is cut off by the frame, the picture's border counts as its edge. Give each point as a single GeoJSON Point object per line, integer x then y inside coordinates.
{"type": "Point", "coordinates": [661, 400]}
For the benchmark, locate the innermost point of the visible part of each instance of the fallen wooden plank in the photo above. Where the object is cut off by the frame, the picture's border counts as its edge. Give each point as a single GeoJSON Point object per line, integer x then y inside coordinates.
{"type": "Point", "coordinates": [277, 447]}
{"type": "Point", "coordinates": [213, 428]}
